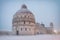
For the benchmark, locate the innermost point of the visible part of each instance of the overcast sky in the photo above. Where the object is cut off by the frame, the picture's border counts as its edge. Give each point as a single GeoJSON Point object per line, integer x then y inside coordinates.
{"type": "Point", "coordinates": [44, 12]}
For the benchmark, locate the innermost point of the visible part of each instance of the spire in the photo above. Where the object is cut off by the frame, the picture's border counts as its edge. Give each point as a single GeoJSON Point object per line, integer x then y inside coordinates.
{"type": "Point", "coordinates": [24, 6]}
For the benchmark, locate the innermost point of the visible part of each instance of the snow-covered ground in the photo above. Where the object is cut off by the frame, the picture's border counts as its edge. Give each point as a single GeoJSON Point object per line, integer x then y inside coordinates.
{"type": "Point", "coordinates": [36, 37]}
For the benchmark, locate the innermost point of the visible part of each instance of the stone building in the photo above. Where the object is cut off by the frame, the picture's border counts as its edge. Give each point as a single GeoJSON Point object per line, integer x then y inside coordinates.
{"type": "Point", "coordinates": [23, 23]}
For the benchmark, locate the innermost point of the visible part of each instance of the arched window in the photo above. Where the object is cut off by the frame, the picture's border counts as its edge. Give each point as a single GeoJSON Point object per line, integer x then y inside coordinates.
{"type": "Point", "coordinates": [24, 22]}
{"type": "Point", "coordinates": [21, 29]}
{"type": "Point", "coordinates": [25, 29]}
{"type": "Point", "coordinates": [25, 16]}
{"type": "Point", "coordinates": [28, 16]}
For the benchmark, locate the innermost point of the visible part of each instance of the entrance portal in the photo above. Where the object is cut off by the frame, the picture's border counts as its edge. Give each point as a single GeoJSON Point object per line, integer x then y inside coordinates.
{"type": "Point", "coordinates": [17, 32]}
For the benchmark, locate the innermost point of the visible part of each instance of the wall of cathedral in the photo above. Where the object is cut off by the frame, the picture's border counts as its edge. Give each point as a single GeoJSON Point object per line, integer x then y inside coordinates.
{"type": "Point", "coordinates": [25, 30]}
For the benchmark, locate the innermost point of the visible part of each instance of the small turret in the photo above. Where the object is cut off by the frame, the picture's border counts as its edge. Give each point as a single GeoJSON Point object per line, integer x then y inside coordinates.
{"type": "Point", "coordinates": [51, 24]}
{"type": "Point", "coordinates": [42, 25]}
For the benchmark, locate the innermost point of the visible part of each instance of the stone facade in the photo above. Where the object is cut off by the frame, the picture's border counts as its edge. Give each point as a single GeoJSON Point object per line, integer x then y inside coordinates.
{"type": "Point", "coordinates": [24, 23]}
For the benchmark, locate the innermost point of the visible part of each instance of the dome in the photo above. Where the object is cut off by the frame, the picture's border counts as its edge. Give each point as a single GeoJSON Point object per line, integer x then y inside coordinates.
{"type": "Point", "coordinates": [24, 10]}
{"type": "Point", "coordinates": [24, 6]}
{"type": "Point", "coordinates": [23, 15]}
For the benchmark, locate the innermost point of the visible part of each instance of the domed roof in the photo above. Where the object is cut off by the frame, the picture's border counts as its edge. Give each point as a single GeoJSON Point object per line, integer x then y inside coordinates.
{"type": "Point", "coordinates": [23, 9]}
{"type": "Point", "coordinates": [24, 6]}
{"type": "Point", "coordinates": [24, 15]}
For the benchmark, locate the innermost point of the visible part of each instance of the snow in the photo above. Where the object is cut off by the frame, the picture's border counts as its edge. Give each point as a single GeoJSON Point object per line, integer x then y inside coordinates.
{"type": "Point", "coordinates": [35, 37]}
